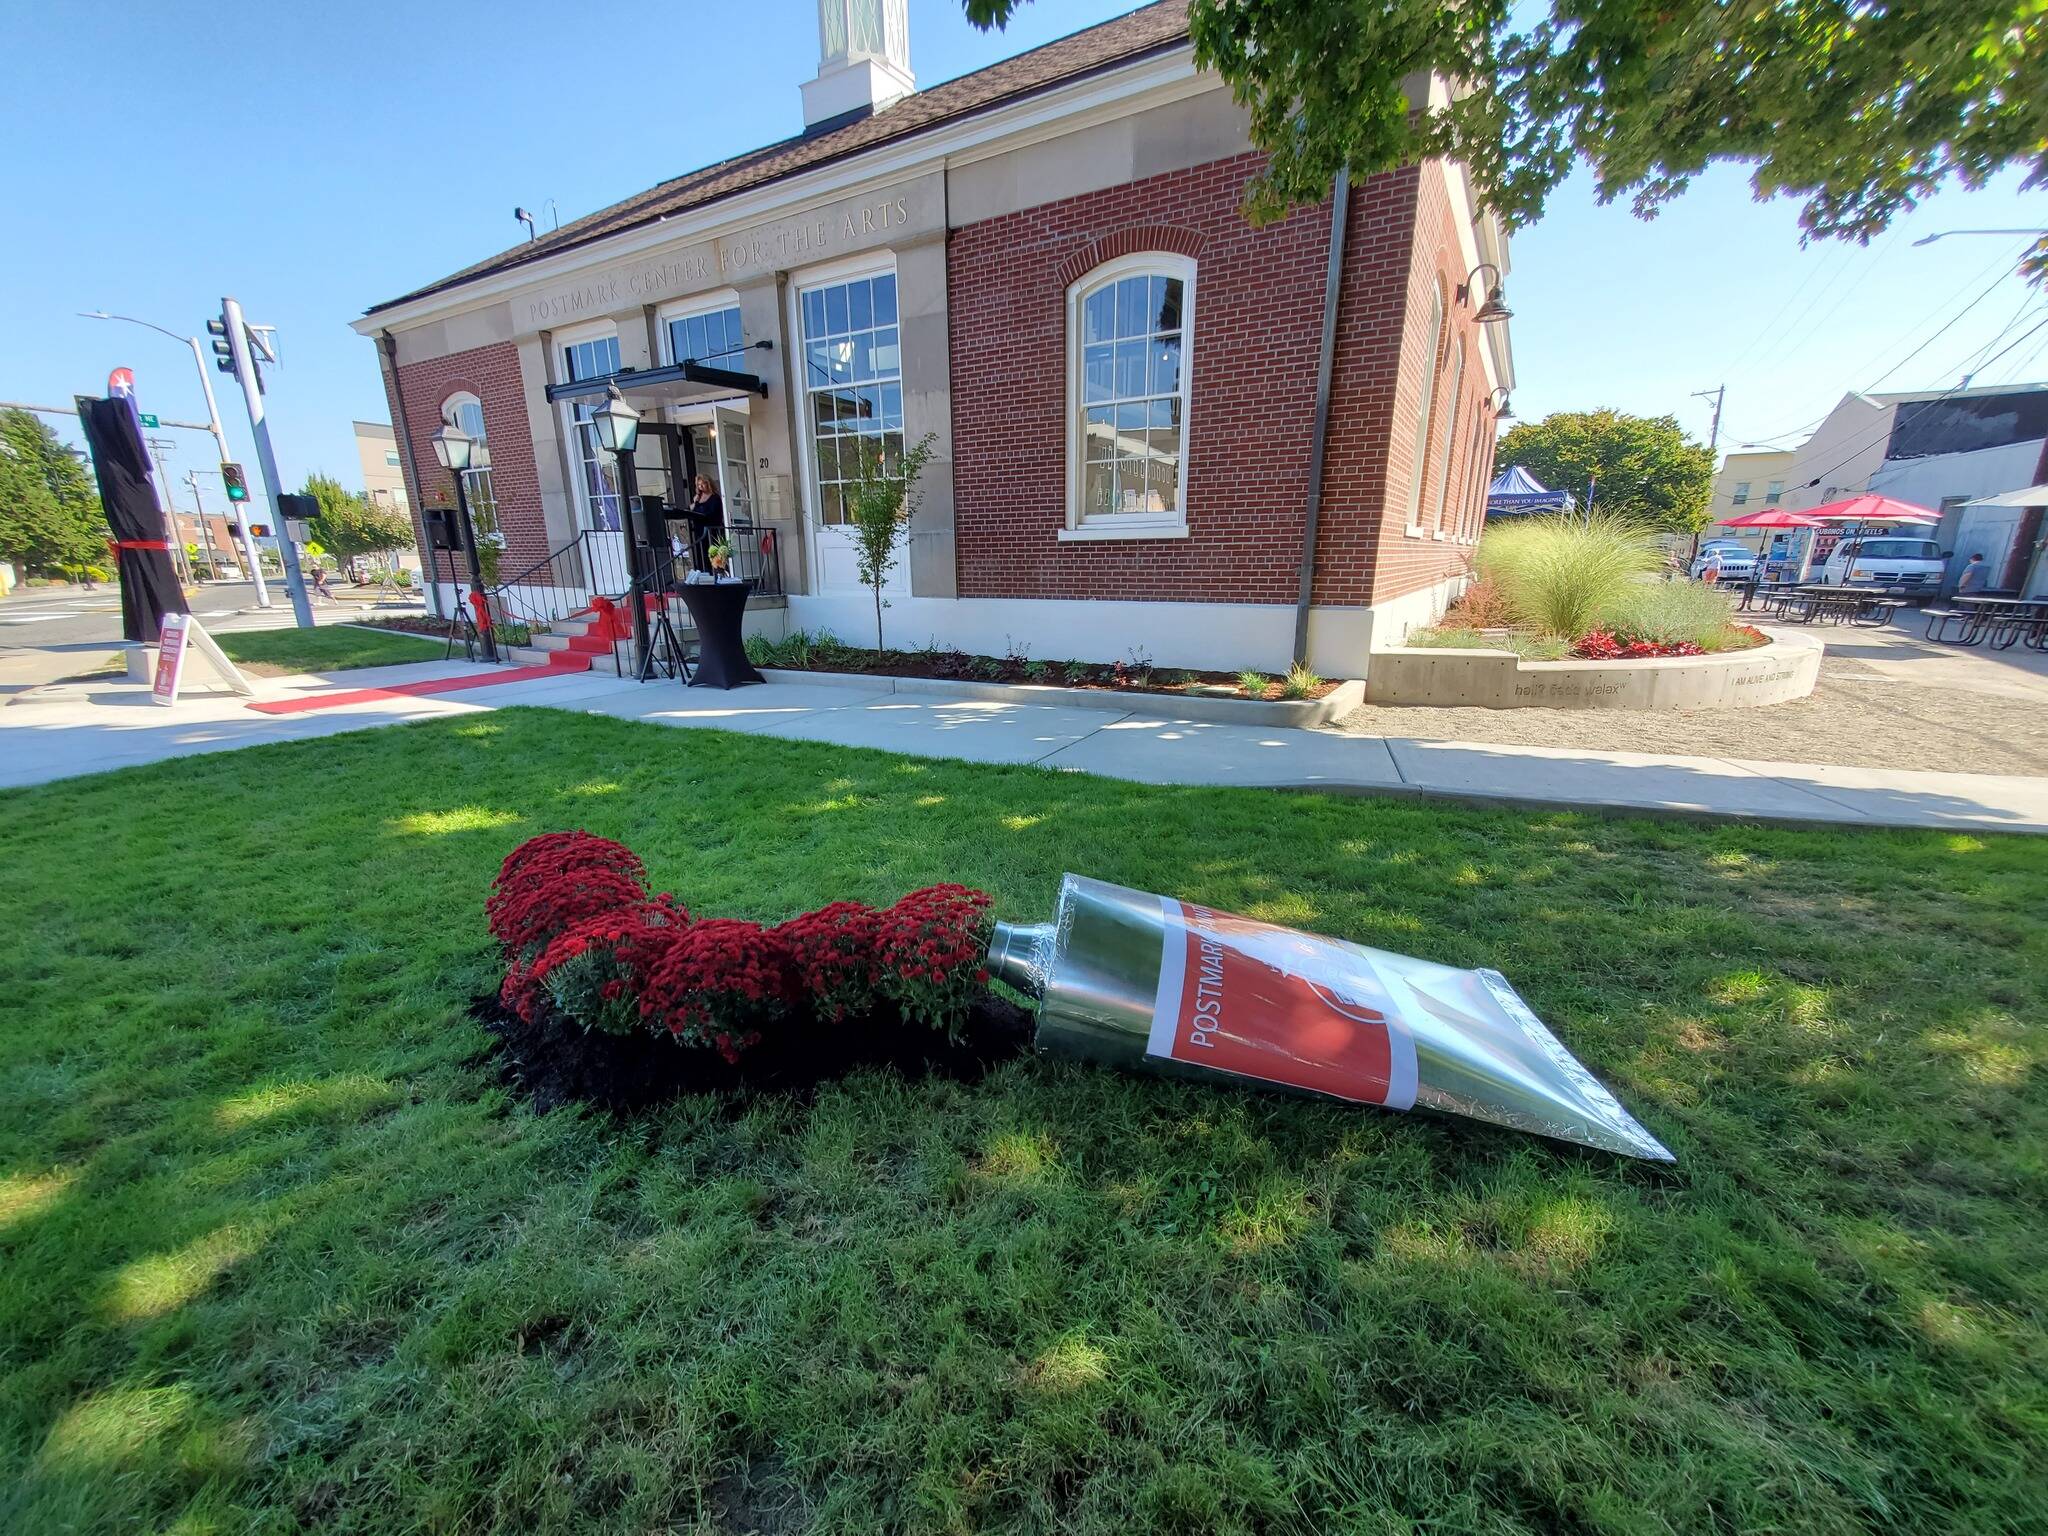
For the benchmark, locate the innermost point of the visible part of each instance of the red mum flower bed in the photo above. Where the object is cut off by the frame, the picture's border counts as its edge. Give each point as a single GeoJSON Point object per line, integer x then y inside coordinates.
{"type": "Point", "coordinates": [931, 951]}
{"type": "Point", "coordinates": [833, 955]}
{"type": "Point", "coordinates": [622, 1000]}
{"type": "Point", "coordinates": [721, 983]}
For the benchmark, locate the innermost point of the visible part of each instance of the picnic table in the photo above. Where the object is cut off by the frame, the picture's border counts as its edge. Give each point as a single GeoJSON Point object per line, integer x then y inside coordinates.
{"type": "Point", "coordinates": [1811, 603]}
{"type": "Point", "coordinates": [2003, 619]}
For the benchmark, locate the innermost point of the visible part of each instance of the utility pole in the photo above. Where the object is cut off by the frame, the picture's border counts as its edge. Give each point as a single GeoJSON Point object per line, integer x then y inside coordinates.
{"type": "Point", "coordinates": [1718, 394]}
{"type": "Point", "coordinates": [205, 528]}
{"type": "Point", "coordinates": [243, 365]}
{"type": "Point", "coordinates": [158, 446]}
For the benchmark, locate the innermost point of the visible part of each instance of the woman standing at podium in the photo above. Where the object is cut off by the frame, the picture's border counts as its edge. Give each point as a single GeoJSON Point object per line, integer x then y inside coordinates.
{"type": "Point", "coordinates": [706, 513]}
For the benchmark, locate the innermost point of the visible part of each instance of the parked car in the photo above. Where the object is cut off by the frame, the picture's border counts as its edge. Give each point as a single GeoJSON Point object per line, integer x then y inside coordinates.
{"type": "Point", "coordinates": [1731, 559]}
{"type": "Point", "coordinates": [1884, 560]}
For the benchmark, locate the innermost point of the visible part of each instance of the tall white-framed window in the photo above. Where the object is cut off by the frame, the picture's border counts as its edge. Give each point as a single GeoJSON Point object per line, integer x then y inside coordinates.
{"type": "Point", "coordinates": [467, 412]}
{"type": "Point", "coordinates": [597, 472]}
{"type": "Point", "coordinates": [1774, 493]}
{"type": "Point", "coordinates": [852, 366]}
{"type": "Point", "coordinates": [1741, 496]}
{"type": "Point", "coordinates": [1130, 362]}
{"type": "Point", "coordinates": [1453, 401]}
{"type": "Point", "coordinates": [708, 336]}
{"type": "Point", "coordinates": [1478, 480]}
{"type": "Point", "coordinates": [1425, 401]}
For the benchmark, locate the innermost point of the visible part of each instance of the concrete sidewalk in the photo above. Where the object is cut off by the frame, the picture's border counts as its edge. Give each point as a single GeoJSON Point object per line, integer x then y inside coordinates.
{"type": "Point", "coordinates": [55, 732]}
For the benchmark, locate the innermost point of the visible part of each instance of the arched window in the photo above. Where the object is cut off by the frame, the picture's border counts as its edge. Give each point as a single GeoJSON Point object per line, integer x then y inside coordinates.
{"type": "Point", "coordinates": [467, 412]}
{"type": "Point", "coordinates": [1129, 361]}
{"type": "Point", "coordinates": [1425, 398]}
{"type": "Point", "coordinates": [1443, 482]}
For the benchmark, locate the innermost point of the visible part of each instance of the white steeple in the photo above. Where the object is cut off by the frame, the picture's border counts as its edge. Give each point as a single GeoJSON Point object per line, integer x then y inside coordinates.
{"type": "Point", "coordinates": [863, 60]}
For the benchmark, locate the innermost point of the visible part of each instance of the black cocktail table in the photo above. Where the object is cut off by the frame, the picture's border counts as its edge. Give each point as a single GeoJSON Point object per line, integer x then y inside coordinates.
{"type": "Point", "coordinates": [715, 610]}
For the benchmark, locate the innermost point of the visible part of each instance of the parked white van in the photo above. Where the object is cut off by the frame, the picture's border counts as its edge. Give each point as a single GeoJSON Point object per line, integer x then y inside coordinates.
{"type": "Point", "coordinates": [1884, 560]}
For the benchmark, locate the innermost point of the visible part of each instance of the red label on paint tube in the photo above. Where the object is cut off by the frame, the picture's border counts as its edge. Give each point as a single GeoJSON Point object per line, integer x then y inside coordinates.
{"type": "Point", "coordinates": [1255, 1000]}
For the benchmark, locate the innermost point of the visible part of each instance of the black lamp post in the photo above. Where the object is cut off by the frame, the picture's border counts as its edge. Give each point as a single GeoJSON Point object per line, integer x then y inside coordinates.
{"type": "Point", "coordinates": [454, 448]}
{"type": "Point", "coordinates": [618, 433]}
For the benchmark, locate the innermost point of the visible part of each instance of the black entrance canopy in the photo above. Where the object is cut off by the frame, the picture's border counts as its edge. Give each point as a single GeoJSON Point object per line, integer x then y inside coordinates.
{"type": "Point", "coordinates": [684, 383]}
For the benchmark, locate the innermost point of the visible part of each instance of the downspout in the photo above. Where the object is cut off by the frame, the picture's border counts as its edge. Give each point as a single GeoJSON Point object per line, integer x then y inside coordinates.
{"type": "Point", "coordinates": [1326, 358]}
{"type": "Point", "coordinates": [430, 566]}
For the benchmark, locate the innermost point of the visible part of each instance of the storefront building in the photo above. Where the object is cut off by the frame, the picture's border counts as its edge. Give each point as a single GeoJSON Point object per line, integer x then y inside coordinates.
{"type": "Point", "coordinates": [1044, 267]}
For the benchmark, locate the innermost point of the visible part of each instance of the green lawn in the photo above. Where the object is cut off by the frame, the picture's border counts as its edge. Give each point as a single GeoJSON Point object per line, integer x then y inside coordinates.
{"type": "Point", "coordinates": [330, 649]}
{"type": "Point", "coordinates": [279, 1254]}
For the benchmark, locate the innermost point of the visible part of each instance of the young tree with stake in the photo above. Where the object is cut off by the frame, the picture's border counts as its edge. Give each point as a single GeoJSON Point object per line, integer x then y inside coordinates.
{"type": "Point", "coordinates": [881, 499]}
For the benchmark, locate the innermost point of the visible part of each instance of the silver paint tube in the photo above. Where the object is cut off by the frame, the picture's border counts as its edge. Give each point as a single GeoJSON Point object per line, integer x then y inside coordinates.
{"type": "Point", "coordinates": [1154, 984]}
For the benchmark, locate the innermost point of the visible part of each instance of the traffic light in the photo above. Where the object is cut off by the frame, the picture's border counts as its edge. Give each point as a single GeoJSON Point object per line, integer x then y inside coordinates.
{"type": "Point", "coordinates": [232, 478]}
{"type": "Point", "coordinates": [259, 530]}
{"type": "Point", "coordinates": [223, 349]}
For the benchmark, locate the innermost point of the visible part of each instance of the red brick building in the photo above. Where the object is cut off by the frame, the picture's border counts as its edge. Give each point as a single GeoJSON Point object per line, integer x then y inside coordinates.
{"type": "Point", "coordinates": [1043, 266]}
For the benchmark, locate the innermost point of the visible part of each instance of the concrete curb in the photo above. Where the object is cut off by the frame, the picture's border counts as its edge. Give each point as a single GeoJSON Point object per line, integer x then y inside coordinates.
{"type": "Point", "coordinates": [1291, 714]}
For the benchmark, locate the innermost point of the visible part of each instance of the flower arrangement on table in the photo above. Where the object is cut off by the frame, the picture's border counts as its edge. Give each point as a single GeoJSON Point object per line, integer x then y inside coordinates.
{"type": "Point", "coordinates": [719, 553]}
{"type": "Point", "coordinates": [584, 940]}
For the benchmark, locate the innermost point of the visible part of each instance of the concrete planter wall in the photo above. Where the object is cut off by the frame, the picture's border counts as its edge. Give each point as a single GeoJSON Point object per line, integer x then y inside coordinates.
{"type": "Point", "coordinates": [1299, 713]}
{"type": "Point", "coordinates": [1765, 674]}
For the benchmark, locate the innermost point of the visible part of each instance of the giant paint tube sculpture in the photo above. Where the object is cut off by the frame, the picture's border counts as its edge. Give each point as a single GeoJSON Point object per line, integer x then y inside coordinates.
{"type": "Point", "coordinates": [1148, 982]}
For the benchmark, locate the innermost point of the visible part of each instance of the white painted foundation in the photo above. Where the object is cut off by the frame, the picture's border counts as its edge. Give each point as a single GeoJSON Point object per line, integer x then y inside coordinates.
{"type": "Point", "coordinates": [1210, 637]}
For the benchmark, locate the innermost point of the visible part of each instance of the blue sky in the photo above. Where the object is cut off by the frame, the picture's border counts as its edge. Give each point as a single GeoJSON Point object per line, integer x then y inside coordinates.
{"type": "Point", "coordinates": [312, 160]}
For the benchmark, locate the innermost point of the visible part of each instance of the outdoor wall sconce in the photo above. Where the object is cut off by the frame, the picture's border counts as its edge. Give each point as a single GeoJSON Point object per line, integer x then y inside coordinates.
{"type": "Point", "coordinates": [1502, 411]}
{"type": "Point", "coordinates": [1495, 308]}
{"type": "Point", "coordinates": [617, 423]}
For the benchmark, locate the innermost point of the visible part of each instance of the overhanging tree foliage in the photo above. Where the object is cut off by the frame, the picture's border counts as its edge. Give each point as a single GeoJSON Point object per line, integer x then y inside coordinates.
{"type": "Point", "coordinates": [1640, 468]}
{"type": "Point", "coordinates": [1860, 107]}
{"type": "Point", "coordinates": [349, 524]}
{"type": "Point", "coordinates": [50, 516]}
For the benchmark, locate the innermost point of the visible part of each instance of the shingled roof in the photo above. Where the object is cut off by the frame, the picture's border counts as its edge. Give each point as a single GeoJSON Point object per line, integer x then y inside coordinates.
{"type": "Point", "coordinates": [1153, 29]}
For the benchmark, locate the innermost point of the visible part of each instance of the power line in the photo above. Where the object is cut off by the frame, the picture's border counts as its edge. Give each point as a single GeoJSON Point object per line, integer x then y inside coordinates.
{"type": "Point", "coordinates": [1953, 389]}
{"type": "Point", "coordinates": [2003, 264]}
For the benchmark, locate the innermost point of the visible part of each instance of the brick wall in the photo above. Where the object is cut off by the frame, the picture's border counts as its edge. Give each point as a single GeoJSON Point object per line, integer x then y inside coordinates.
{"type": "Point", "coordinates": [491, 374]}
{"type": "Point", "coordinates": [1460, 441]}
{"type": "Point", "coordinates": [1257, 317]}
{"type": "Point", "coordinates": [1257, 330]}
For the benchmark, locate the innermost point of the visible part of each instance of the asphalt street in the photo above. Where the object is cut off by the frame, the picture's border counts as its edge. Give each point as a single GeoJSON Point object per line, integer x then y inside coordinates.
{"type": "Point", "coordinates": [47, 634]}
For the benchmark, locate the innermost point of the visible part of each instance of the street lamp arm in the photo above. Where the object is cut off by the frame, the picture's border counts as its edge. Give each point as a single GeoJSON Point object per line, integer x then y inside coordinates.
{"type": "Point", "coordinates": [101, 314]}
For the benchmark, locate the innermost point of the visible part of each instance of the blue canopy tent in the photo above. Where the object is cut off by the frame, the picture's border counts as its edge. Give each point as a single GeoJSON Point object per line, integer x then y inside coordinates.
{"type": "Point", "coordinates": [1516, 491]}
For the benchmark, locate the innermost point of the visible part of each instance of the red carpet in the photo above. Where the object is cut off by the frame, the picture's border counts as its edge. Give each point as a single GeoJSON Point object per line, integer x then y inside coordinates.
{"type": "Point", "coordinates": [309, 701]}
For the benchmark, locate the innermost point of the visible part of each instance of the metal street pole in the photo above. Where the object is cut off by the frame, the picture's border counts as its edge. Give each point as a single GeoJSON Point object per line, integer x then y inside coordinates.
{"type": "Point", "coordinates": [266, 460]}
{"type": "Point", "coordinates": [485, 632]}
{"type": "Point", "coordinates": [240, 509]}
{"type": "Point", "coordinates": [220, 438]}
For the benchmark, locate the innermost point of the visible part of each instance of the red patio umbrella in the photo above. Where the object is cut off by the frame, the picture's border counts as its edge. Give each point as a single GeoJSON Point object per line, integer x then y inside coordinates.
{"type": "Point", "coordinates": [1872, 508]}
{"type": "Point", "coordinates": [1772, 517]}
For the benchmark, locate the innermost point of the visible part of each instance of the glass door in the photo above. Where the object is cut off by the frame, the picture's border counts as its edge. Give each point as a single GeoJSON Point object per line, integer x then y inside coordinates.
{"type": "Point", "coordinates": [734, 472]}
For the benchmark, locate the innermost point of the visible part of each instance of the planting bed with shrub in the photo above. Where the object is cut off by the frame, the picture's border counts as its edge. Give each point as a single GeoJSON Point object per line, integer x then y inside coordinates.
{"type": "Point", "coordinates": [804, 651]}
{"type": "Point", "coordinates": [622, 999]}
{"type": "Point", "coordinates": [1557, 587]}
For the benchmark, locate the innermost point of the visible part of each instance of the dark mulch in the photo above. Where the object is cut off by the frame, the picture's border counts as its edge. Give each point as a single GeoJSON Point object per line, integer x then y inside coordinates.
{"type": "Point", "coordinates": [1136, 676]}
{"type": "Point", "coordinates": [554, 1061]}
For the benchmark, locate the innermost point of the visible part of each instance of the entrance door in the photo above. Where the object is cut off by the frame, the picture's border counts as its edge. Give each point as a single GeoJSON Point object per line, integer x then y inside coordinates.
{"type": "Point", "coordinates": [852, 406]}
{"type": "Point", "coordinates": [735, 465]}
